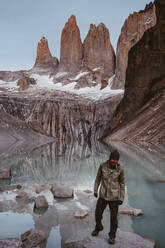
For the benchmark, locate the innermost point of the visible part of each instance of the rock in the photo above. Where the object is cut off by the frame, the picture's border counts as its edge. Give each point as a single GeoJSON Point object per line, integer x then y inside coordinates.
{"type": "Point", "coordinates": [132, 31]}
{"type": "Point", "coordinates": [10, 76]}
{"type": "Point", "coordinates": [5, 173]}
{"type": "Point", "coordinates": [44, 58]}
{"type": "Point", "coordinates": [88, 191]}
{"type": "Point", "coordinates": [61, 192]}
{"type": "Point", "coordinates": [41, 202]}
{"type": "Point", "coordinates": [98, 50]}
{"type": "Point", "coordinates": [22, 196]}
{"type": "Point", "coordinates": [25, 82]}
{"type": "Point", "coordinates": [71, 46]}
{"type": "Point", "coordinates": [10, 243]}
{"type": "Point", "coordinates": [140, 115]}
{"type": "Point", "coordinates": [130, 211]}
{"type": "Point", "coordinates": [81, 214]}
{"type": "Point", "coordinates": [10, 187]}
{"type": "Point", "coordinates": [161, 180]}
{"type": "Point", "coordinates": [65, 117]}
{"type": "Point", "coordinates": [83, 239]}
{"type": "Point", "coordinates": [32, 238]}
{"type": "Point", "coordinates": [40, 188]}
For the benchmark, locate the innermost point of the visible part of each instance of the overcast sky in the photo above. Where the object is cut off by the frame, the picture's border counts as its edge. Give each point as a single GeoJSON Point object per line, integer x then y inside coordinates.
{"type": "Point", "coordinates": [24, 22]}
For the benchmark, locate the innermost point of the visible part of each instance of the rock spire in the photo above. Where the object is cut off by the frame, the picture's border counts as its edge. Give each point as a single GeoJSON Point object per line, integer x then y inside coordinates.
{"type": "Point", "coordinates": [44, 58]}
{"type": "Point", "coordinates": [97, 49]}
{"type": "Point", "coordinates": [71, 46]}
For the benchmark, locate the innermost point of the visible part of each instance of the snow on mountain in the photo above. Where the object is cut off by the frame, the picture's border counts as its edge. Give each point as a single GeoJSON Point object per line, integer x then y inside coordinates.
{"type": "Point", "coordinates": [44, 82]}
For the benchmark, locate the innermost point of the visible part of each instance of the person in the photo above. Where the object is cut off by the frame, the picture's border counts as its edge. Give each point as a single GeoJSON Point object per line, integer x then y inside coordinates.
{"type": "Point", "coordinates": [111, 176]}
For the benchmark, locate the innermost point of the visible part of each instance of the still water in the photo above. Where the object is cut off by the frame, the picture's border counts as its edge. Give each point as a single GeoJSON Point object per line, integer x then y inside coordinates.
{"type": "Point", "coordinates": [76, 166]}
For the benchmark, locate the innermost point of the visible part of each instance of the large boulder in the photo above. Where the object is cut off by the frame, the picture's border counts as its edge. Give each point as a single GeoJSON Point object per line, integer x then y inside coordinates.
{"type": "Point", "coordinates": [123, 239]}
{"type": "Point", "coordinates": [25, 82]}
{"type": "Point", "coordinates": [5, 172]}
{"type": "Point", "coordinates": [60, 191]}
{"type": "Point", "coordinates": [32, 238]}
{"type": "Point", "coordinates": [41, 202]}
{"type": "Point", "coordinates": [10, 243]}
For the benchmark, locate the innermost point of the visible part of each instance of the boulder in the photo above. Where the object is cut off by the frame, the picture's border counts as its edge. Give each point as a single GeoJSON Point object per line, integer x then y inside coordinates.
{"type": "Point", "coordinates": [41, 202]}
{"type": "Point", "coordinates": [10, 187]}
{"type": "Point", "coordinates": [81, 214]}
{"type": "Point", "coordinates": [40, 188]}
{"type": "Point", "coordinates": [10, 243]}
{"type": "Point", "coordinates": [60, 191]}
{"type": "Point", "coordinates": [22, 196]}
{"type": "Point", "coordinates": [32, 238]}
{"type": "Point", "coordinates": [130, 211]}
{"type": "Point", "coordinates": [25, 82]}
{"type": "Point", "coordinates": [83, 239]}
{"type": "Point", "coordinates": [5, 172]}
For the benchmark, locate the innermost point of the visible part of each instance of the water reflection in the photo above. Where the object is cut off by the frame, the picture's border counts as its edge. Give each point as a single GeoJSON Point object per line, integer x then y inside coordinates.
{"type": "Point", "coordinates": [76, 165]}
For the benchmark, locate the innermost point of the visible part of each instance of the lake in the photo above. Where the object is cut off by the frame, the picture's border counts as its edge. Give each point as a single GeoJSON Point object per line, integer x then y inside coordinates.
{"type": "Point", "coordinates": [76, 166]}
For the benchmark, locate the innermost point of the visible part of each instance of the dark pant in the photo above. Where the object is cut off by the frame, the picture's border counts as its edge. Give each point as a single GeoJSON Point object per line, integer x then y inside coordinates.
{"type": "Point", "coordinates": [113, 207]}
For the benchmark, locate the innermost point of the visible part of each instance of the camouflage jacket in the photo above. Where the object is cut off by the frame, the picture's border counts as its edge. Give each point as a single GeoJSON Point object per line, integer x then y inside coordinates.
{"type": "Point", "coordinates": [112, 182]}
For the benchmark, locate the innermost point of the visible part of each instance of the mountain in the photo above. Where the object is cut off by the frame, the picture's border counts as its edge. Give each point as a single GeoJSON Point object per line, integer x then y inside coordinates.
{"type": "Point", "coordinates": [44, 58]}
{"type": "Point", "coordinates": [71, 46]}
{"type": "Point", "coordinates": [132, 31]}
{"type": "Point", "coordinates": [98, 50]}
{"type": "Point", "coordinates": [140, 115]}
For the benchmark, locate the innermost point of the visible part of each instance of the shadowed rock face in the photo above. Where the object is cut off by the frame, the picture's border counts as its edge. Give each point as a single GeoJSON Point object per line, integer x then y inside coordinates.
{"type": "Point", "coordinates": [132, 31]}
{"type": "Point", "coordinates": [142, 108]}
{"type": "Point", "coordinates": [71, 46]}
{"type": "Point", "coordinates": [97, 49]}
{"type": "Point", "coordinates": [44, 58]}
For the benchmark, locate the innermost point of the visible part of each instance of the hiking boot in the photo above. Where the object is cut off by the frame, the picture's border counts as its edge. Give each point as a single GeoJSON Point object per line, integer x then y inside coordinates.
{"type": "Point", "coordinates": [111, 241]}
{"type": "Point", "coordinates": [96, 231]}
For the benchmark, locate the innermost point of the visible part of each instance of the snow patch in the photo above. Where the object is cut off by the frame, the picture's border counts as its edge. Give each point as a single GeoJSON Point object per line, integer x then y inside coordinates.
{"type": "Point", "coordinates": [94, 93]}
{"type": "Point", "coordinates": [80, 205]}
{"type": "Point", "coordinates": [46, 83]}
{"type": "Point", "coordinates": [96, 69]}
{"type": "Point", "coordinates": [10, 86]}
{"type": "Point", "coordinates": [81, 74]}
{"type": "Point", "coordinates": [61, 74]}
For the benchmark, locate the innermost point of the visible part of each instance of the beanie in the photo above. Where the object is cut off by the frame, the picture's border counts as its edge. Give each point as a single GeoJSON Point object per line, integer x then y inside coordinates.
{"type": "Point", "coordinates": [114, 155]}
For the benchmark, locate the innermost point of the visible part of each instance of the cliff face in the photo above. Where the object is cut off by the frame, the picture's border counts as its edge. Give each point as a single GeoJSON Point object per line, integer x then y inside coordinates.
{"type": "Point", "coordinates": [132, 31]}
{"type": "Point", "coordinates": [62, 116]}
{"type": "Point", "coordinates": [44, 58]}
{"type": "Point", "coordinates": [71, 46]}
{"type": "Point", "coordinates": [97, 49]}
{"type": "Point", "coordinates": [145, 87]}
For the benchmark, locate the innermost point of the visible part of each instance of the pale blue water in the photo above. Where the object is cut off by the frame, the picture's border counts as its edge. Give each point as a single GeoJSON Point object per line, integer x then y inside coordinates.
{"type": "Point", "coordinates": [77, 165]}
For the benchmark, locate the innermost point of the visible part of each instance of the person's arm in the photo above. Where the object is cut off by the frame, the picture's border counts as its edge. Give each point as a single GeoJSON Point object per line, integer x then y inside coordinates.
{"type": "Point", "coordinates": [97, 181]}
{"type": "Point", "coordinates": [122, 185]}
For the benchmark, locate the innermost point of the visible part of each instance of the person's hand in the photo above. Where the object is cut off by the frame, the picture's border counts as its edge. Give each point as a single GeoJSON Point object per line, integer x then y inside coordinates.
{"type": "Point", "coordinates": [120, 202]}
{"type": "Point", "coordinates": [96, 195]}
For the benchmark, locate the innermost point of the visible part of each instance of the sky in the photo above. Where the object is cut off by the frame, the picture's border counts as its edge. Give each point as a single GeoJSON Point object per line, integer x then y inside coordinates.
{"type": "Point", "coordinates": [24, 22]}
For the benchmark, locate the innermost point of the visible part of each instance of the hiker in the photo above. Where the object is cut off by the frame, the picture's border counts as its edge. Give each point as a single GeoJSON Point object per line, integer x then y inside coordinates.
{"type": "Point", "coordinates": [111, 176]}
